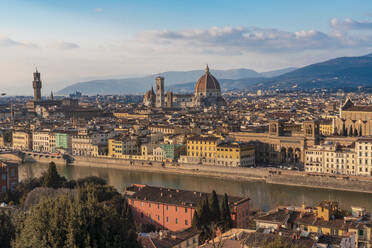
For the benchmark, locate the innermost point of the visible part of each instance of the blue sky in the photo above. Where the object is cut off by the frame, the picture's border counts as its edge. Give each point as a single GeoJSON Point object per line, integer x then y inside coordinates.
{"type": "Point", "coordinates": [75, 40]}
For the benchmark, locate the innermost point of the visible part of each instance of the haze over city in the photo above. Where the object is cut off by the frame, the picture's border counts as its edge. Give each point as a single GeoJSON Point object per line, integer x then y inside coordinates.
{"type": "Point", "coordinates": [72, 41]}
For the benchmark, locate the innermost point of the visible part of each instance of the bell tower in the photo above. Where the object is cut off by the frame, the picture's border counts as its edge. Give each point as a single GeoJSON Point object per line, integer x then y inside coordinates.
{"type": "Point", "coordinates": [159, 92]}
{"type": "Point", "coordinates": [37, 86]}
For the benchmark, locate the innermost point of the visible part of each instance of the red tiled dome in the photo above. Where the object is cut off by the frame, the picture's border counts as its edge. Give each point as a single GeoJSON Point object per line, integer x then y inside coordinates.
{"type": "Point", "coordinates": [207, 83]}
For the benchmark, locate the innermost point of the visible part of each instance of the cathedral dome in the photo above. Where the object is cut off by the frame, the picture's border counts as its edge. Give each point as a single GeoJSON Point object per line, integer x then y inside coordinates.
{"type": "Point", "coordinates": [207, 84]}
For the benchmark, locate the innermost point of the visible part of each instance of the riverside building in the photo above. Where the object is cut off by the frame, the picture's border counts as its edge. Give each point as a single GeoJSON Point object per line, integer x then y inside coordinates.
{"type": "Point", "coordinates": [173, 209]}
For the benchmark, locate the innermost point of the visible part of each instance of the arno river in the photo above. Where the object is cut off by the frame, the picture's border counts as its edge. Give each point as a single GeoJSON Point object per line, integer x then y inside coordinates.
{"type": "Point", "coordinates": [263, 195]}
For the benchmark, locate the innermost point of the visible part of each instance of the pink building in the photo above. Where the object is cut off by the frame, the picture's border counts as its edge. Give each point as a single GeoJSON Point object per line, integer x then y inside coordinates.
{"type": "Point", "coordinates": [173, 209]}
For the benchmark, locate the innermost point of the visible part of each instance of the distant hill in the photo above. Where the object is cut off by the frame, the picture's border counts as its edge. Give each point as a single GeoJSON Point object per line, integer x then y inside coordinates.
{"type": "Point", "coordinates": [178, 80]}
{"type": "Point", "coordinates": [343, 72]}
{"type": "Point", "coordinates": [335, 73]}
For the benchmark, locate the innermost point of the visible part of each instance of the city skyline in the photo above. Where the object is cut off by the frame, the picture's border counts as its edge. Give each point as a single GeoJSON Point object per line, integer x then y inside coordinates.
{"type": "Point", "coordinates": [73, 41]}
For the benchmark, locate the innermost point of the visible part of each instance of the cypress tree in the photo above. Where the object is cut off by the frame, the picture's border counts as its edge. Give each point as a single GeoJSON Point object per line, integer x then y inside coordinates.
{"type": "Point", "coordinates": [205, 213]}
{"type": "Point", "coordinates": [226, 215]}
{"type": "Point", "coordinates": [196, 221]}
{"type": "Point", "coordinates": [215, 208]}
{"type": "Point", "coordinates": [51, 178]}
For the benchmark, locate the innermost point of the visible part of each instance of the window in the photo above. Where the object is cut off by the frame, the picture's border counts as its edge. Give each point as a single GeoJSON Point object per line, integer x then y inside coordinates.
{"type": "Point", "coordinates": [176, 208]}
{"type": "Point", "coordinates": [186, 223]}
{"type": "Point", "coordinates": [3, 176]}
{"type": "Point", "coordinates": [176, 220]}
{"type": "Point", "coordinates": [167, 219]}
{"type": "Point", "coordinates": [185, 210]}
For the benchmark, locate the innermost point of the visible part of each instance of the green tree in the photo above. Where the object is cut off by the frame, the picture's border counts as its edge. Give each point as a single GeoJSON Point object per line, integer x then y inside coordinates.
{"type": "Point", "coordinates": [196, 221]}
{"type": "Point", "coordinates": [215, 208]}
{"type": "Point", "coordinates": [65, 222]}
{"type": "Point", "coordinates": [205, 213]}
{"type": "Point", "coordinates": [51, 178]}
{"type": "Point", "coordinates": [226, 220]}
{"type": "Point", "coordinates": [7, 231]}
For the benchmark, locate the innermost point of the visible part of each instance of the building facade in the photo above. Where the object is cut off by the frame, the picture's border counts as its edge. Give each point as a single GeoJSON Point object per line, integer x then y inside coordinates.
{"type": "Point", "coordinates": [331, 158]}
{"type": "Point", "coordinates": [173, 209]}
{"type": "Point", "coordinates": [363, 150]}
{"type": "Point", "coordinates": [8, 176]}
{"type": "Point", "coordinates": [22, 140]}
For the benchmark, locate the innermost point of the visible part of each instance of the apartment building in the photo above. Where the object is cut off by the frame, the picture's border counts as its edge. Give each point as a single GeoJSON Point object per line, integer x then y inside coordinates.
{"type": "Point", "coordinates": [22, 140]}
{"type": "Point", "coordinates": [363, 148]}
{"type": "Point", "coordinates": [173, 209]}
{"type": "Point", "coordinates": [8, 176]}
{"type": "Point", "coordinates": [331, 158]}
{"type": "Point", "coordinates": [42, 141]}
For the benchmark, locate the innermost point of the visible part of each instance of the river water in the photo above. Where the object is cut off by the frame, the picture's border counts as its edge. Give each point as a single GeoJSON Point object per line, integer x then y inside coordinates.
{"type": "Point", "coordinates": [263, 195]}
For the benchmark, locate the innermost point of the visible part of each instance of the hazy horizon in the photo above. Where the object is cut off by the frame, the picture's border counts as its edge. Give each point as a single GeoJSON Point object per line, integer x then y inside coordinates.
{"type": "Point", "coordinates": [72, 41]}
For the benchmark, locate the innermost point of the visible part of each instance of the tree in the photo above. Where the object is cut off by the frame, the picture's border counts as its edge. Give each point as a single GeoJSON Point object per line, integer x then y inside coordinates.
{"type": "Point", "coordinates": [215, 208]}
{"type": "Point", "coordinates": [51, 178]}
{"type": "Point", "coordinates": [226, 215]}
{"type": "Point", "coordinates": [65, 222]}
{"type": "Point", "coordinates": [7, 231]}
{"type": "Point", "coordinates": [195, 223]}
{"type": "Point", "coordinates": [205, 212]}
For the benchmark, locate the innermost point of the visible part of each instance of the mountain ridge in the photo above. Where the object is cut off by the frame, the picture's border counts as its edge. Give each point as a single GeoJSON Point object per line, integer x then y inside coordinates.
{"type": "Point", "coordinates": [137, 85]}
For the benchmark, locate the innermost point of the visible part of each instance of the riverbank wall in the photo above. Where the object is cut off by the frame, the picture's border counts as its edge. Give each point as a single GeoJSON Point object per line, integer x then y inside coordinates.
{"type": "Point", "coordinates": [268, 175]}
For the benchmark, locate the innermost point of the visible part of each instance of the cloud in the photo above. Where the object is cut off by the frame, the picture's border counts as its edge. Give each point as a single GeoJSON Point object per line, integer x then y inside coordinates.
{"type": "Point", "coordinates": [350, 24]}
{"type": "Point", "coordinates": [239, 40]}
{"type": "Point", "coordinates": [62, 45]}
{"type": "Point", "coordinates": [7, 42]}
{"type": "Point", "coordinates": [99, 10]}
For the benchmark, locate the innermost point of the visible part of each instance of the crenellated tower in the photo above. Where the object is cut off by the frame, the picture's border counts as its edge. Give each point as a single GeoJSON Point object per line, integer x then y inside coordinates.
{"type": "Point", "coordinates": [37, 86]}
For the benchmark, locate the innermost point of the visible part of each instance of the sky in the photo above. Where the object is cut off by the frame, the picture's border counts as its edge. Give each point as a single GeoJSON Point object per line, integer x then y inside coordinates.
{"type": "Point", "coordinates": [71, 41]}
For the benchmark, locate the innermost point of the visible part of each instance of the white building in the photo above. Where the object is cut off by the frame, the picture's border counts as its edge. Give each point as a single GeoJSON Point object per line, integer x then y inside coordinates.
{"type": "Point", "coordinates": [42, 141]}
{"type": "Point", "coordinates": [363, 147]}
{"type": "Point", "coordinates": [331, 158]}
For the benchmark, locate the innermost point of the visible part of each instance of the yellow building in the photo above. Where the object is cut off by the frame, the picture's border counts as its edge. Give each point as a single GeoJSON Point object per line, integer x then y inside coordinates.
{"type": "Point", "coordinates": [201, 149]}
{"type": "Point", "coordinates": [327, 209]}
{"type": "Point", "coordinates": [117, 147]}
{"type": "Point", "coordinates": [235, 154]}
{"type": "Point", "coordinates": [22, 140]}
{"type": "Point", "coordinates": [211, 150]}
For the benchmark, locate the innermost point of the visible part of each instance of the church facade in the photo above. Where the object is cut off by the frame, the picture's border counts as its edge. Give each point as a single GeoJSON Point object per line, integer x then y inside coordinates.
{"type": "Point", "coordinates": [354, 120]}
{"type": "Point", "coordinates": [207, 93]}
